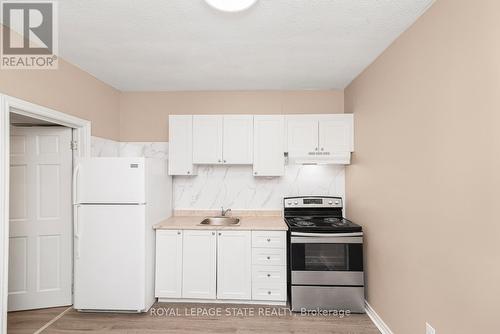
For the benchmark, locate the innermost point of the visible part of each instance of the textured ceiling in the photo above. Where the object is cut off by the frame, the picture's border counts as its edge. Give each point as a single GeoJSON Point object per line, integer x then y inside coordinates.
{"type": "Point", "coordinates": [187, 45]}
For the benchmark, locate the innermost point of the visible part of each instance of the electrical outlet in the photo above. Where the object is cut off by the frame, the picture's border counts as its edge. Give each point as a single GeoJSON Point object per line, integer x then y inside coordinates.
{"type": "Point", "coordinates": [429, 329]}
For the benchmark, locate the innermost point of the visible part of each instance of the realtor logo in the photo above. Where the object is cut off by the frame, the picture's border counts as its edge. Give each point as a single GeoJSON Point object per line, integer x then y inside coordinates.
{"type": "Point", "coordinates": [29, 39]}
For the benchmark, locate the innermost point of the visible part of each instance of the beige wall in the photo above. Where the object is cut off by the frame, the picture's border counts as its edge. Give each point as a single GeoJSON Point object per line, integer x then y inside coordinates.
{"type": "Point", "coordinates": [144, 115]}
{"type": "Point", "coordinates": [425, 176]}
{"type": "Point", "coordinates": [69, 90]}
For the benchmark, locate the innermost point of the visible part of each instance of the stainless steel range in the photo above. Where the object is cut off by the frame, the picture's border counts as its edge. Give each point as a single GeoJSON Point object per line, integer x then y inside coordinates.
{"type": "Point", "coordinates": [325, 257]}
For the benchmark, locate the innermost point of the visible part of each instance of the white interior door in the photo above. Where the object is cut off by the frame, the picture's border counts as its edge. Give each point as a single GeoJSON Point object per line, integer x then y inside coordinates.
{"type": "Point", "coordinates": [40, 242]}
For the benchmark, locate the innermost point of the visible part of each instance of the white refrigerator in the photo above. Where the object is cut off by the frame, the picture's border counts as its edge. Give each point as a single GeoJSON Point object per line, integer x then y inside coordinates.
{"type": "Point", "coordinates": [116, 203]}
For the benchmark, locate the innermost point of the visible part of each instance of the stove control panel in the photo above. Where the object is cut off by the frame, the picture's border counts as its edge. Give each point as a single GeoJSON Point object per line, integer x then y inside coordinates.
{"type": "Point", "coordinates": [313, 202]}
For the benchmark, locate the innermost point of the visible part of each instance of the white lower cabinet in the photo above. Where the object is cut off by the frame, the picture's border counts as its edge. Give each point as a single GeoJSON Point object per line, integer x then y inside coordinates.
{"type": "Point", "coordinates": [269, 265]}
{"type": "Point", "coordinates": [225, 265]}
{"type": "Point", "coordinates": [199, 252]}
{"type": "Point", "coordinates": [234, 263]}
{"type": "Point", "coordinates": [168, 281]}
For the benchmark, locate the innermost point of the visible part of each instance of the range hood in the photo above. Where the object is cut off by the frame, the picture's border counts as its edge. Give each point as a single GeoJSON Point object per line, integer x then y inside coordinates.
{"type": "Point", "coordinates": [337, 158]}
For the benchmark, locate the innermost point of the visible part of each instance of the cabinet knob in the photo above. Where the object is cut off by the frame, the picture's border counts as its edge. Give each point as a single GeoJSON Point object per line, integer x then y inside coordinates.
{"type": "Point", "coordinates": [269, 258]}
{"type": "Point", "coordinates": [213, 233]}
{"type": "Point", "coordinates": [225, 161]}
{"type": "Point", "coordinates": [269, 292]}
{"type": "Point", "coordinates": [254, 173]}
{"type": "Point", "coordinates": [178, 232]}
{"type": "Point", "coordinates": [316, 149]}
{"type": "Point", "coordinates": [189, 172]}
{"type": "Point", "coordinates": [322, 149]}
{"type": "Point", "coordinates": [268, 240]}
{"type": "Point", "coordinates": [220, 160]}
{"type": "Point", "coordinates": [220, 233]}
{"type": "Point", "coordinates": [268, 275]}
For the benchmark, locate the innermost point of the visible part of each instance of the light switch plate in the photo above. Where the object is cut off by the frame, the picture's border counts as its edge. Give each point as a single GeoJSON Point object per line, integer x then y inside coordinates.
{"type": "Point", "coordinates": [429, 329]}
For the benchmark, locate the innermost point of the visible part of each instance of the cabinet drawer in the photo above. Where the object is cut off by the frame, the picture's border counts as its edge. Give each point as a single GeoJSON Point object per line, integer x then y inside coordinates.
{"type": "Point", "coordinates": [275, 292]}
{"type": "Point", "coordinates": [269, 274]}
{"type": "Point", "coordinates": [268, 256]}
{"type": "Point", "coordinates": [269, 239]}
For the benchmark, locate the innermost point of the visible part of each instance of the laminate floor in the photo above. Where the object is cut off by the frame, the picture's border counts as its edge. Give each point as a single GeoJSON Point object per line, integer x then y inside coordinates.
{"type": "Point", "coordinates": [210, 318]}
{"type": "Point", "coordinates": [28, 322]}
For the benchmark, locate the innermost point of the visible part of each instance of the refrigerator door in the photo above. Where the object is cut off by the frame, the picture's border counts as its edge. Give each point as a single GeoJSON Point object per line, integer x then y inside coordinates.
{"type": "Point", "coordinates": [110, 180]}
{"type": "Point", "coordinates": [110, 257]}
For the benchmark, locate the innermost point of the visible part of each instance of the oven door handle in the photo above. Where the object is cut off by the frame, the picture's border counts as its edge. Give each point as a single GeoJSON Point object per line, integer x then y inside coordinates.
{"type": "Point", "coordinates": [303, 234]}
{"type": "Point", "coordinates": [327, 240]}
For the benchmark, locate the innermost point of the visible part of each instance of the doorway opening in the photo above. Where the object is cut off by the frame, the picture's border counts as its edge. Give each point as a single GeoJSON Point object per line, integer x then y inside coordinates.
{"type": "Point", "coordinates": [37, 156]}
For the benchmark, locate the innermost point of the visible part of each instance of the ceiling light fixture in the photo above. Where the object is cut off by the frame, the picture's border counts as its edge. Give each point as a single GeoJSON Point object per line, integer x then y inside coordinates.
{"type": "Point", "coordinates": [231, 5]}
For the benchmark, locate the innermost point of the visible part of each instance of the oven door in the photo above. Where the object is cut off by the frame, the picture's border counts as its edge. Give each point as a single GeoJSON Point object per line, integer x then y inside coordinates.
{"type": "Point", "coordinates": [327, 259]}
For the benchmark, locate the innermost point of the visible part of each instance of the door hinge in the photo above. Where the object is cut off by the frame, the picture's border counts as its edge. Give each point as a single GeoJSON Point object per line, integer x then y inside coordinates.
{"type": "Point", "coordinates": [74, 145]}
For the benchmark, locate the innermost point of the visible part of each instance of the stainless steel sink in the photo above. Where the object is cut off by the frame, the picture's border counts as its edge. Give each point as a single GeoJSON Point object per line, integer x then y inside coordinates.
{"type": "Point", "coordinates": [221, 221]}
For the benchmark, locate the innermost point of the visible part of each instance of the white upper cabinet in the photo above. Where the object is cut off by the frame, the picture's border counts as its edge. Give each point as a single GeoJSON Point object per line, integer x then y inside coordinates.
{"type": "Point", "coordinates": [223, 139]}
{"type": "Point", "coordinates": [180, 141]}
{"type": "Point", "coordinates": [302, 133]}
{"type": "Point", "coordinates": [238, 140]}
{"type": "Point", "coordinates": [336, 133]}
{"type": "Point", "coordinates": [207, 139]}
{"type": "Point", "coordinates": [269, 145]}
{"type": "Point", "coordinates": [320, 138]}
{"type": "Point", "coordinates": [234, 265]}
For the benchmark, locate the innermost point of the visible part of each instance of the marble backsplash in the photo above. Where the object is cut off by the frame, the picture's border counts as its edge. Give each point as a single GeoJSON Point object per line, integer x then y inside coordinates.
{"type": "Point", "coordinates": [101, 147]}
{"type": "Point", "coordinates": [233, 186]}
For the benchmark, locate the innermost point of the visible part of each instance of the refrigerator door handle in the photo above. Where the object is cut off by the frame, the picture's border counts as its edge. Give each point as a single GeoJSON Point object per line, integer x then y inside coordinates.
{"type": "Point", "coordinates": [76, 232]}
{"type": "Point", "coordinates": [76, 172]}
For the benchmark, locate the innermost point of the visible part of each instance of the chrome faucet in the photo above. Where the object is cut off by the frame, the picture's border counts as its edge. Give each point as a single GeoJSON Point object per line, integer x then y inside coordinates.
{"type": "Point", "coordinates": [223, 212]}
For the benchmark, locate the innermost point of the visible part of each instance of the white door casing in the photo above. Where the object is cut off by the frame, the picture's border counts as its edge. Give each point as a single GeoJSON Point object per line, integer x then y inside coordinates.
{"type": "Point", "coordinates": [40, 237]}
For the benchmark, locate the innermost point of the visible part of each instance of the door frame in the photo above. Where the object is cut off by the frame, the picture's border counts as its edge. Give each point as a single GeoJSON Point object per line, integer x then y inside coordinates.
{"type": "Point", "coordinates": [81, 134]}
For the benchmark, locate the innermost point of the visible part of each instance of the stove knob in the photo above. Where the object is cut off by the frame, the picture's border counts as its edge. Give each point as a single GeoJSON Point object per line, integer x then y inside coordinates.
{"type": "Point", "coordinates": [337, 202]}
{"type": "Point", "coordinates": [330, 202]}
{"type": "Point", "coordinates": [289, 203]}
{"type": "Point", "coordinates": [295, 202]}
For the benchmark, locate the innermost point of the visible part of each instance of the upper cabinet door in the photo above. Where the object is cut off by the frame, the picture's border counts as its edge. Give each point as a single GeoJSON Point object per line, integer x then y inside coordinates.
{"type": "Point", "coordinates": [302, 135]}
{"type": "Point", "coordinates": [207, 139]}
{"type": "Point", "coordinates": [269, 145]}
{"type": "Point", "coordinates": [336, 133]}
{"type": "Point", "coordinates": [238, 139]}
{"type": "Point", "coordinates": [180, 139]}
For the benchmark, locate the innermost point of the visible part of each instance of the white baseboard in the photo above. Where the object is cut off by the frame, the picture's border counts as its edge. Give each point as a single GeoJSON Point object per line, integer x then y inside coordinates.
{"type": "Point", "coordinates": [377, 320]}
{"type": "Point", "coordinates": [222, 301]}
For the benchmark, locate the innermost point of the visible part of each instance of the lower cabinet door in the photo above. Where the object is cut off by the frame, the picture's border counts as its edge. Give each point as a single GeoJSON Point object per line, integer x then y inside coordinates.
{"type": "Point", "coordinates": [168, 280]}
{"type": "Point", "coordinates": [234, 273]}
{"type": "Point", "coordinates": [199, 251]}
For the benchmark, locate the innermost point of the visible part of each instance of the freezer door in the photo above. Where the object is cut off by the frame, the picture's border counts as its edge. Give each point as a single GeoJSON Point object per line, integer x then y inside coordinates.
{"type": "Point", "coordinates": [110, 257]}
{"type": "Point", "coordinates": [110, 180]}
